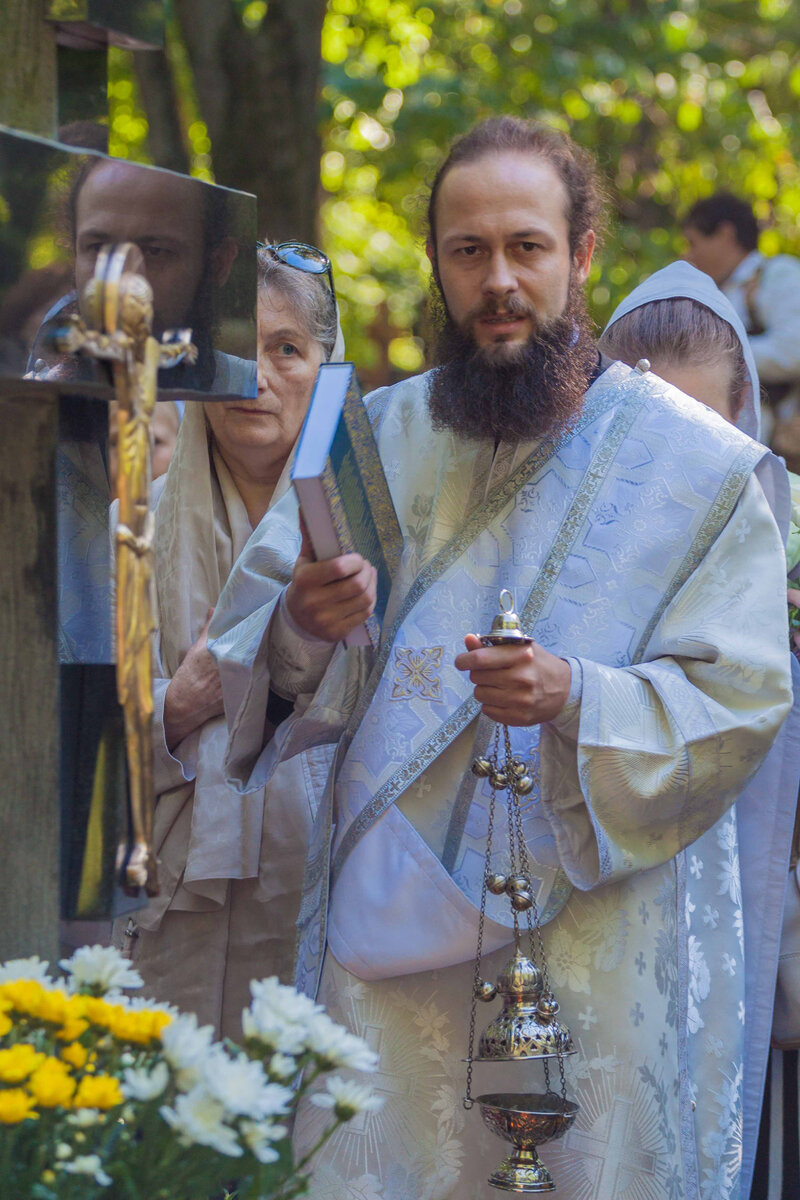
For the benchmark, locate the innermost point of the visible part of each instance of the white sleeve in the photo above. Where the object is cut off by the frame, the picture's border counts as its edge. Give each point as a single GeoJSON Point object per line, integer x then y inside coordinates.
{"type": "Point", "coordinates": [777, 349]}
{"type": "Point", "coordinates": [662, 749]}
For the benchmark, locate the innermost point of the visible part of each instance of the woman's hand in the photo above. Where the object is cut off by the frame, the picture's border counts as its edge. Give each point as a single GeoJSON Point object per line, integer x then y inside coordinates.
{"type": "Point", "coordinates": [516, 685]}
{"type": "Point", "coordinates": [194, 694]}
{"type": "Point", "coordinates": [329, 599]}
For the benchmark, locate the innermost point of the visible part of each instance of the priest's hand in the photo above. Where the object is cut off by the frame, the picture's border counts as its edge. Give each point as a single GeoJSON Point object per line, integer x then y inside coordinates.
{"type": "Point", "coordinates": [194, 694]}
{"type": "Point", "coordinates": [327, 600]}
{"type": "Point", "coordinates": [516, 685]}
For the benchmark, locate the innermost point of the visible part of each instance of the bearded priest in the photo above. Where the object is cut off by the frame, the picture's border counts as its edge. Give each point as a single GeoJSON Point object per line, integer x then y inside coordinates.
{"type": "Point", "coordinates": [633, 528]}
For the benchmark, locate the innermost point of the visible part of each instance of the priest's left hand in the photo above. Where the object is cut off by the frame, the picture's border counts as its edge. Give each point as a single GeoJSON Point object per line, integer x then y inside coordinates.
{"type": "Point", "coordinates": [516, 685]}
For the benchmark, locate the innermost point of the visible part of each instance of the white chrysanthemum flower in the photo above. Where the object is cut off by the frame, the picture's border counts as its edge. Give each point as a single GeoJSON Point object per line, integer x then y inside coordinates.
{"type": "Point", "coordinates": [102, 967]}
{"type": "Point", "coordinates": [84, 1117]}
{"type": "Point", "coordinates": [87, 1164]}
{"type": "Point", "coordinates": [336, 1047]}
{"type": "Point", "coordinates": [198, 1118]}
{"type": "Point", "coordinates": [63, 1150]}
{"type": "Point", "coordinates": [281, 1066]}
{"type": "Point", "coordinates": [242, 1087]}
{"type": "Point", "coordinates": [290, 1004]}
{"type": "Point", "coordinates": [25, 968]}
{"type": "Point", "coordinates": [347, 1098]}
{"type": "Point", "coordinates": [265, 1024]}
{"type": "Point", "coordinates": [259, 1136]}
{"type": "Point", "coordinates": [186, 1048]}
{"type": "Point", "coordinates": [145, 1085]}
{"type": "Point", "coordinates": [138, 1003]}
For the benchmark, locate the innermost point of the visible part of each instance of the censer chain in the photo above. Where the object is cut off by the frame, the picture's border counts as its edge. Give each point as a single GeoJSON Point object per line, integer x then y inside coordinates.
{"type": "Point", "coordinates": [468, 1101]}
{"type": "Point", "coordinates": [516, 835]}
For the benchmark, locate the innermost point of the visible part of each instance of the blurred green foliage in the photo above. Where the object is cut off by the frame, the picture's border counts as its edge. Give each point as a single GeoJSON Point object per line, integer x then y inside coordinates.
{"type": "Point", "coordinates": [675, 97]}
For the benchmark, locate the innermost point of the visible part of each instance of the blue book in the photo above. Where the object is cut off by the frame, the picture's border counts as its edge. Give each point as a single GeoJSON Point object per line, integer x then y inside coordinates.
{"type": "Point", "coordinates": [341, 487]}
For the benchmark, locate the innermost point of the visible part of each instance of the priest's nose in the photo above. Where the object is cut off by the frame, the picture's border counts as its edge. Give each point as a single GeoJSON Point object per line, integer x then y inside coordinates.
{"type": "Point", "coordinates": [499, 279]}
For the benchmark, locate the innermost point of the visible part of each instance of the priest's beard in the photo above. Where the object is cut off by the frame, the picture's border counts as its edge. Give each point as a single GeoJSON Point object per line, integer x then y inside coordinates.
{"type": "Point", "coordinates": [512, 391]}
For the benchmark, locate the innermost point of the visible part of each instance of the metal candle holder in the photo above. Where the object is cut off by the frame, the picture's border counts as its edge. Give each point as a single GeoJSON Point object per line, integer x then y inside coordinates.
{"type": "Point", "coordinates": [526, 1028]}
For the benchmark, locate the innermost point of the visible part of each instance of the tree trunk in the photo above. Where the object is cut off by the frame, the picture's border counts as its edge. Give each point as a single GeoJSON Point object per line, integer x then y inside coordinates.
{"type": "Point", "coordinates": [28, 77]}
{"type": "Point", "coordinates": [258, 95]}
{"type": "Point", "coordinates": [160, 102]}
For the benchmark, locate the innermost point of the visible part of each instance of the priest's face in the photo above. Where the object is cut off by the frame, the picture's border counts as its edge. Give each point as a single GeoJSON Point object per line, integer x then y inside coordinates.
{"type": "Point", "coordinates": [514, 343]}
{"type": "Point", "coordinates": [502, 253]}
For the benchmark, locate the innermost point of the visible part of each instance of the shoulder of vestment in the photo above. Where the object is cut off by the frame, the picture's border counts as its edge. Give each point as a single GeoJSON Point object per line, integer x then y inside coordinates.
{"type": "Point", "coordinates": [670, 421]}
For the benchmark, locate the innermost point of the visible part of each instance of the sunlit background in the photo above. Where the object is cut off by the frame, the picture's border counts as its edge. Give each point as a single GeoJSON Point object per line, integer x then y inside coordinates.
{"type": "Point", "coordinates": [676, 98]}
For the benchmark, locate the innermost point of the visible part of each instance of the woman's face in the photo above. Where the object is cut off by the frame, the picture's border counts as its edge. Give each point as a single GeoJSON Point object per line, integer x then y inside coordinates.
{"type": "Point", "coordinates": [288, 358]}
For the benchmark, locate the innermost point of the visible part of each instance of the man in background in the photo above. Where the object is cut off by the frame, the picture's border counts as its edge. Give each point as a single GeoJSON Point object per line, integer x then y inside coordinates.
{"type": "Point", "coordinates": [722, 236]}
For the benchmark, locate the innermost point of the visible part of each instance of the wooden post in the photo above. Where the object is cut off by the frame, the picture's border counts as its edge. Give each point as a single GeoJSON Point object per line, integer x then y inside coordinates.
{"type": "Point", "coordinates": [29, 801]}
{"type": "Point", "coordinates": [29, 817]}
{"type": "Point", "coordinates": [28, 79]}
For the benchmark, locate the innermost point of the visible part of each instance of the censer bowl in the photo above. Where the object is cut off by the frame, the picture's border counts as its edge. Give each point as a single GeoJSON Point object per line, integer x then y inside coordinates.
{"type": "Point", "coordinates": [526, 1121]}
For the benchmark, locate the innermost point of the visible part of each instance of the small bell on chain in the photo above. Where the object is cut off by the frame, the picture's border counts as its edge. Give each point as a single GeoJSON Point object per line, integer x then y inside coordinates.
{"type": "Point", "coordinates": [526, 1028]}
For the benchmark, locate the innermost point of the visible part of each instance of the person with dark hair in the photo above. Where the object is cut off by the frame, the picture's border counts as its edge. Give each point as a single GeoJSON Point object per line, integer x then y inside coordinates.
{"type": "Point", "coordinates": [722, 237]}
{"type": "Point", "coordinates": [181, 229]}
{"type": "Point", "coordinates": [647, 567]}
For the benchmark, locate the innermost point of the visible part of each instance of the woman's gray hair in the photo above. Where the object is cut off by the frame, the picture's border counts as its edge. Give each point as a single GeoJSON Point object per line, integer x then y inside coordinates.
{"type": "Point", "coordinates": [309, 297]}
{"type": "Point", "coordinates": [678, 330]}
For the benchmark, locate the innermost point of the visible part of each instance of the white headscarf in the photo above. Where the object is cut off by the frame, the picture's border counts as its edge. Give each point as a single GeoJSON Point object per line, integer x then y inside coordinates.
{"type": "Point", "coordinates": [764, 831]}
{"type": "Point", "coordinates": [201, 527]}
{"type": "Point", "coordinates": [680, 280]}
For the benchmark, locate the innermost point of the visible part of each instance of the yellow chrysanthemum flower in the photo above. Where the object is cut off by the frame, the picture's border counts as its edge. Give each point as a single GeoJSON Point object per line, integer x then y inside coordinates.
{"type": "Point", "coordinates": [23, 995]}
{"type": "Point", "coordinates": [15, 1106]}
{"type": "Point", "coordinates": [51, 1084]}
{"type": "Point", "coordinates": [53, 1006]}
{"type": "Point", "coordinates": [72, 1029]}
{"type": "Point", "coordinates": [98, 1091]}
{"type": "Point", "coordinates": [75, 1054]}
{"type": "Point", "coordinates": [97, 1011]}
{"type": "Point", "coordinates": [6, 1025]}
{"type": "Point", "coordinates": [18, 1062]}
{"type": "Point", "coordinates": [139, 1025]}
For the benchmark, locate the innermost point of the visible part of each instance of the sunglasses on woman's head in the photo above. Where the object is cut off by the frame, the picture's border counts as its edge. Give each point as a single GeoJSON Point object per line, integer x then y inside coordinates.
{"type": "Point", "coordinates": [303, 257]}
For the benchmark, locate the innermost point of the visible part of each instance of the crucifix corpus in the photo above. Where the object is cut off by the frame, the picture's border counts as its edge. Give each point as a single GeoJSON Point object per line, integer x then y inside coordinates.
{"type": "Point", "coordinates": [119, 303]}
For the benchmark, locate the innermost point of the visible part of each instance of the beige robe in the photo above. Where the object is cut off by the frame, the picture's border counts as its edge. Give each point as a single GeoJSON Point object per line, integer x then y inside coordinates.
{"type": "Point", "coordinates": [230, 866]}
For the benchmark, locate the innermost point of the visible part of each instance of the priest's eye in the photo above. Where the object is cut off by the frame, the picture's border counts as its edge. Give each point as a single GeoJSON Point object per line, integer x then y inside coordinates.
{"type": "Point", "coordinates": [529, 246]}
{"type": "Point", "coordinates": [468, 251]}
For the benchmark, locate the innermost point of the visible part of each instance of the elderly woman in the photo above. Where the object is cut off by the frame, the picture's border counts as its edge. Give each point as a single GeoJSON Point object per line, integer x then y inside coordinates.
{"type": "Point", "coordinates": [230, 865]}
{"type": "Point", "coordinates": [690, 335]}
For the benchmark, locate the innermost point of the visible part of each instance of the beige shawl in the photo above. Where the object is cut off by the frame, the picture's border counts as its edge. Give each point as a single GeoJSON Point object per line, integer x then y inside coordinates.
{"type": "Point", "coordinates": [205, 833]}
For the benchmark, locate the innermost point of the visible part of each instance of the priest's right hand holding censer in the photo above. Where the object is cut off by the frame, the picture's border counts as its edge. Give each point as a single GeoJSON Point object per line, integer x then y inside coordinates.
{"type": "Point", "coordinates": [517, 683]}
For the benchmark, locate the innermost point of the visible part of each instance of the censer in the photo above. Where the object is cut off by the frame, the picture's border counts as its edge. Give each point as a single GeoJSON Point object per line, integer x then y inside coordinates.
{"type": "Point", "coordinates": [527, 1026]}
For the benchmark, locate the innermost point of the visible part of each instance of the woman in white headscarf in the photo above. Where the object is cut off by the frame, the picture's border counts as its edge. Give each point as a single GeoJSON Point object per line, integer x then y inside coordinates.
{"type": "Point", "coordinates": [230, 866]}
{"type": "Point", "coordinates": [689, 333]}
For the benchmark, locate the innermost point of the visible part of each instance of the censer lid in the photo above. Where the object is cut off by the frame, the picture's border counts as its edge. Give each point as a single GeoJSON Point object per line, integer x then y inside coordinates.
{"type": "Point", "coordinates": [506, 626]}
{"type": "Point", "coordinates": [523, 1035]}
{"type": "Point", "coordinates": [520, 979]}
{"type": "Point", "coordinates": [526, 1026]}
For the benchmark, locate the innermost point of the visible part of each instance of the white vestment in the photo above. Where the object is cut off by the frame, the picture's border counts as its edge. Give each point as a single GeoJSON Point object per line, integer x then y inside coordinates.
{"type": "Point", "coordinates": [641, 547]}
